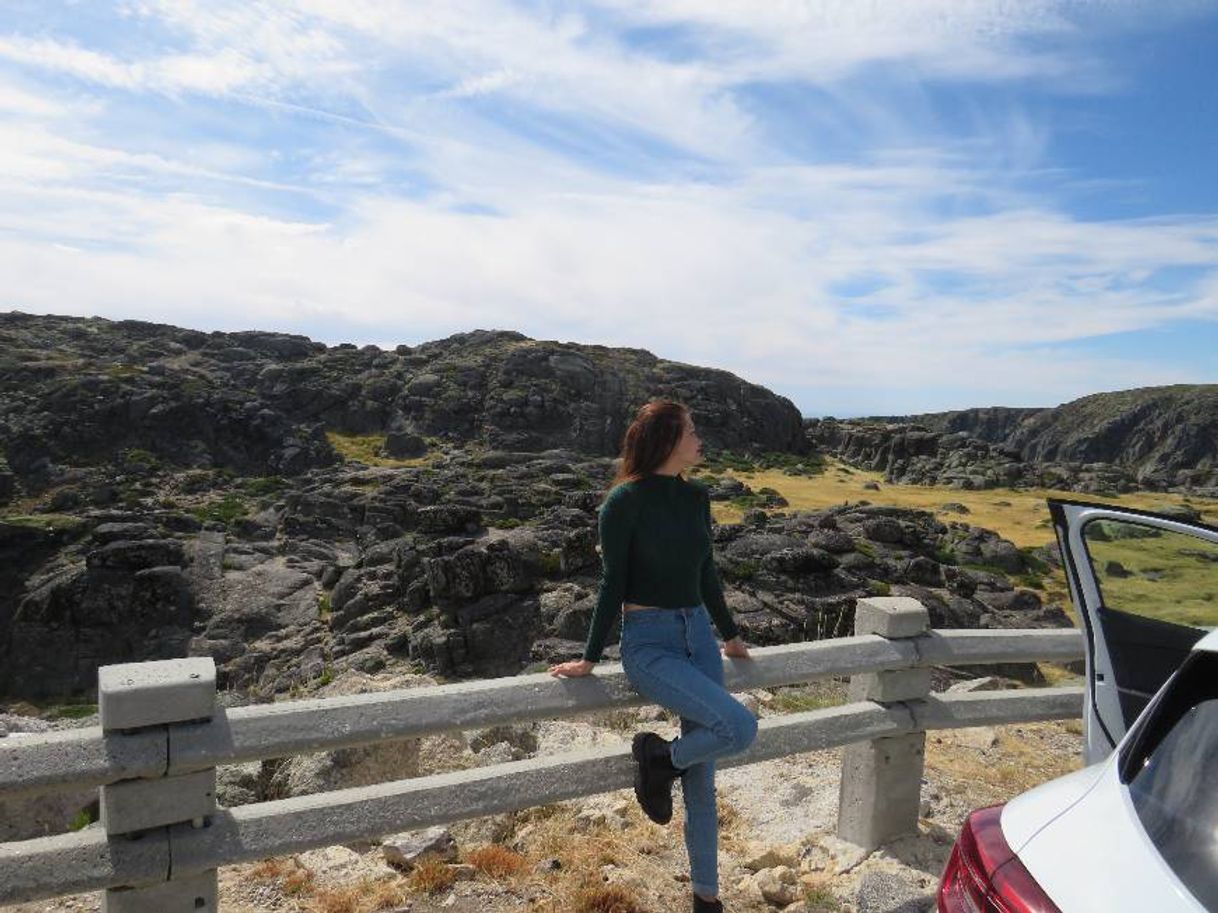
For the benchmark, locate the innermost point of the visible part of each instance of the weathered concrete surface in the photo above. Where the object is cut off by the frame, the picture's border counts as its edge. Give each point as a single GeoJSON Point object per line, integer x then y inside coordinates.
{"type": "Point", "coordinates": [71, 863]}
{"type": "Point", "coordinates": [960, 648]}
{"type": "Point", "coordinates": [304, 822]}
{"type": "Point", "coordinates": [194, 894]}
{"type": "Point", "coordinates": [74, 758]}
{"type": "Point", "coordinates": [894, 617]}
{"type": "Point", "coordinates": [158, 696]}
{"type": "Point", "coordinates": [83, 757]}
{"type": "Point", "coordinates": [82, 861]}
{"type": "Point", "coordinates": [881, 780]}
{"type": "Point", "coordinates": [881, 789]}
{"type": "Point", "coordinates": [293, 727]}
{"type": "Point", "coordinates": [136, 805]}
{"type": "Point", "coordinates": [889, 687]}
{"type": "Point", "coordinates": [993, 708]}
{"type": "Point", "coordinates": [131, 695]}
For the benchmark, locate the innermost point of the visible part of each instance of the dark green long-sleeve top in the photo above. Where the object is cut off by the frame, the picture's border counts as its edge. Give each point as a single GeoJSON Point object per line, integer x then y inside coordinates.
{"type": "Point", "coordinates": [656, 550]}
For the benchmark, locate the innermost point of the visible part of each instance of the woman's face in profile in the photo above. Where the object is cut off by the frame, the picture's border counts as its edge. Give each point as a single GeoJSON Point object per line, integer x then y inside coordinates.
{"type": "Point", "coordinates": [689, 448]}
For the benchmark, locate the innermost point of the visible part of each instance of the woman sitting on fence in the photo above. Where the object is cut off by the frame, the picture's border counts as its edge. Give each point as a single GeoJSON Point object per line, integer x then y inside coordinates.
{"type": "Point", "coordinates": [656, 551]}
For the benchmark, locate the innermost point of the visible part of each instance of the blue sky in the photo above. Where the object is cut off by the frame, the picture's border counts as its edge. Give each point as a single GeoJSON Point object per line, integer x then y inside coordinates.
{"type": "Point", "coordinates": [869, 207]}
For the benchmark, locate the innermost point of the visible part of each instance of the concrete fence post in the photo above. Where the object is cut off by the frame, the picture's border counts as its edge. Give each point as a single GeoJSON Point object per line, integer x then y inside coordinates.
{"type": "Point", "coordinates": [158, 695]}
{"type": "Point", "coordinates": [881, 784]}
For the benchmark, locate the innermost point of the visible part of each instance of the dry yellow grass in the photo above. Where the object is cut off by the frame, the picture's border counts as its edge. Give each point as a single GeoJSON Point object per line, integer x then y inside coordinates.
{"type": "Point", "coordinates": [1020, 760]}
{"type": "Point", "coordinates": [294, 878]}
{"type": "Point", "coordinates": [271, 869]}
{"type": "Point", "coordinates": [818, 896]}
{"type": "Point", "coordinates": [1058, 676]}
{"type": "Point", "coordinates": [370, 895]}
{"type": "Point", "coordinates": [647, 851]}
{"type": "Point", "coordinates": [1020, 515]}
{"type": "Point", "coordinates": [298, 882]}
{"type": "Point", "coordinates": [610, 898]}
{"type": "Point", "coordinates": [496, 860]}
{"type": "Point", "coordinates": [430, 875]}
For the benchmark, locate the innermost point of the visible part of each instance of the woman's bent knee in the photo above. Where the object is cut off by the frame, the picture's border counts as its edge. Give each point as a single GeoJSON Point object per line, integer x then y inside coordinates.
{"type": "Point", "coordinates": [744, 728]}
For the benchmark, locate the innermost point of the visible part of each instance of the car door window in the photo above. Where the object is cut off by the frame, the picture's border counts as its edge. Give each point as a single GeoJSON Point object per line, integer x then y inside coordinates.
{"type": "Point", "coordinates": [1171, 773]}
{"type": "Point", "coordinates": [1154, 573]}
{"type": "Point", "coordinates": [1145, 586]}
{"type": "Point", "coordinates": [1158, 593]}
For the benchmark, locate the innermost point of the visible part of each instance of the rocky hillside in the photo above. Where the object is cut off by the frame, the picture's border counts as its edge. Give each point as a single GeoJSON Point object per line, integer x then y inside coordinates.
{"type": "Point", "coordinates": [81, 393]}
{"type": "Point", "coordinates": [988, 423]}
{"type": "Point", "coordinates": [1166, 435]}
{"type": "Point", "coordinates": [912, 454]}
{"type": "Point", "coordinates": [296, 511]}
{"type": "Point", "coordinates": [471, 565]}
{"type": "Point", "coordinates": [1156, 437]}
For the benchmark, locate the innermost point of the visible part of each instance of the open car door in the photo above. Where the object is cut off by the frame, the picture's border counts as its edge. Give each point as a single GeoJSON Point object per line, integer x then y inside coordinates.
{"type": "Point", "coordinates": [1145, 587]}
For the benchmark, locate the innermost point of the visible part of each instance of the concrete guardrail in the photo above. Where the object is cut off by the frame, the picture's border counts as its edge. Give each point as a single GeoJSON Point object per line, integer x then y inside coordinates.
{"type": "Point", "coordinates": [161, 737]}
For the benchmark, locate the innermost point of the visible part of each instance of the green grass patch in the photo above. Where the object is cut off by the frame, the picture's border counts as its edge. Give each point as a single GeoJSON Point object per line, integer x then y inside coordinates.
{"type": "Point", "coordinates": [878, 588]}
{"type": "Point", "coordinates": [986, 568]}
{"type": "Point", "coordinates": [804, 698]}
{"type": "Point", "coordinates": [227, 510]}
{"type": "Point", "coordinates": [1171, 577]}
{"type": "Point", "coordinates": [369, 450]}
{"type": "Point", "coordinates": [749, 502]}
{"type": "Point", "coordinates": [551, 563]}
{"type": "Point", "coordinates": [503, 522]}
{"type": "Point", "coordinates": [1029, 581]}
{"type": "Point", "coordinates": [787, 463]}
{"type": "Point", "coordinates": [264, 486]}
{"type": "Point", "coordinates": [50, 522]}
{"type": "Point", "coordinates": [71, 711]}
{"type": "Point", "coordinates": [137, 456]}
{"type": "Point", "coordinates": [819, 899]}
{"type": "Point", "coordinates": [124, 370]}
{"type": "Point", "coordinates": [743, 569]}
{"type": "Point", "coordinates": [81, 820]}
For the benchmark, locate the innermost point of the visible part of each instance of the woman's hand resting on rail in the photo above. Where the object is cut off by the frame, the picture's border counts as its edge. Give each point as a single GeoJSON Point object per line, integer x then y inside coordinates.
{"type": "Point", "coordinates": [735, 647]}
{"type": "Point", "coordinates": [572, 669]}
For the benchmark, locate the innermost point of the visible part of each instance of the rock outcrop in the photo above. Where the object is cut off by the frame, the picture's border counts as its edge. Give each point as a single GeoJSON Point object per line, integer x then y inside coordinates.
{"type": "Point", "coordinates": [1157, 438]}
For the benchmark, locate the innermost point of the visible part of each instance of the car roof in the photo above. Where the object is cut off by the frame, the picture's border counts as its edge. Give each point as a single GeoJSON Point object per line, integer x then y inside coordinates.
{"type": "Point", "coordinates": [1208, 642]}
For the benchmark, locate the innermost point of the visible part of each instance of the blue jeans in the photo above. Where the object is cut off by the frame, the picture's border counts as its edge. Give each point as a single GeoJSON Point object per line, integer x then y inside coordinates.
{"type": "Point", "coordinates": [671, 657]}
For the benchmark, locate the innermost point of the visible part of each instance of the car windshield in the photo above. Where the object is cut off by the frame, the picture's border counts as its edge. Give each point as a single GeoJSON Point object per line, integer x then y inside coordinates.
{"type": "Point", "coordinates": [1173, 783]}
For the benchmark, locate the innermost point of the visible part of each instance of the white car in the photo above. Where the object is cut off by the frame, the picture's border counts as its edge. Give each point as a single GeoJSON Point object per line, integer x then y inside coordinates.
{"type": "Point", "coordinates": [1136, 831]}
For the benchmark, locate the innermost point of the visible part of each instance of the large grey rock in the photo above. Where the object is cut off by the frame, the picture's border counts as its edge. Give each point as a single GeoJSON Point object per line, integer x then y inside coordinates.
{"type": "Point", "coordinates": [404, 851]}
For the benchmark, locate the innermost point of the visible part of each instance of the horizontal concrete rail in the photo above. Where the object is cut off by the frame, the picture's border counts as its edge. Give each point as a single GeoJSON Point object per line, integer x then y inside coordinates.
{"type": "Point", "coordinates": [967, 648]}
{"type": "Point", "coordinates": [82, 758]}
{"type": "Point", "coordinates": [86, 861]}
{"type": "Point", "coordinates": [77, 759]}
{"type": "Point", "coordinates": [960, 711]}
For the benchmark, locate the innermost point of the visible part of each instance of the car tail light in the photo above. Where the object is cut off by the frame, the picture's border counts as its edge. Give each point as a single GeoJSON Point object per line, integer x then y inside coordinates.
{"type": "Point", "coordinates": [983, 875]}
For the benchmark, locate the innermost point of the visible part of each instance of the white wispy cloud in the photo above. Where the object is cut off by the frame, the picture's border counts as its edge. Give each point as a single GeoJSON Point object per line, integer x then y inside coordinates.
{"type": "Point", "coordinates": [400, 171]}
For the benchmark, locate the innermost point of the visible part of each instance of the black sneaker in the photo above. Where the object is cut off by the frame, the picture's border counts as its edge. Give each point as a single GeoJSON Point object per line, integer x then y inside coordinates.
{"type": "Point", "coordinates": [707, 906]}
{"type": "Point", "coordinates": [654, 775]}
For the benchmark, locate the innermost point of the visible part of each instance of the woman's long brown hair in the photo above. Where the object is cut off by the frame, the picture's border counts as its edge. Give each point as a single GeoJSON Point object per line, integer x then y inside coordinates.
{"type": "Point", "coordinates": [650, 439]}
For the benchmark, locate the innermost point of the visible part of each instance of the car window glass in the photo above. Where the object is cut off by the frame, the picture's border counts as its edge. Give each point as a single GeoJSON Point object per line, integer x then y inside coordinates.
{"type": "Point", "coordinates": [1154, 573]}
{"type": "Point", "coordinates": [1174, 793]}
